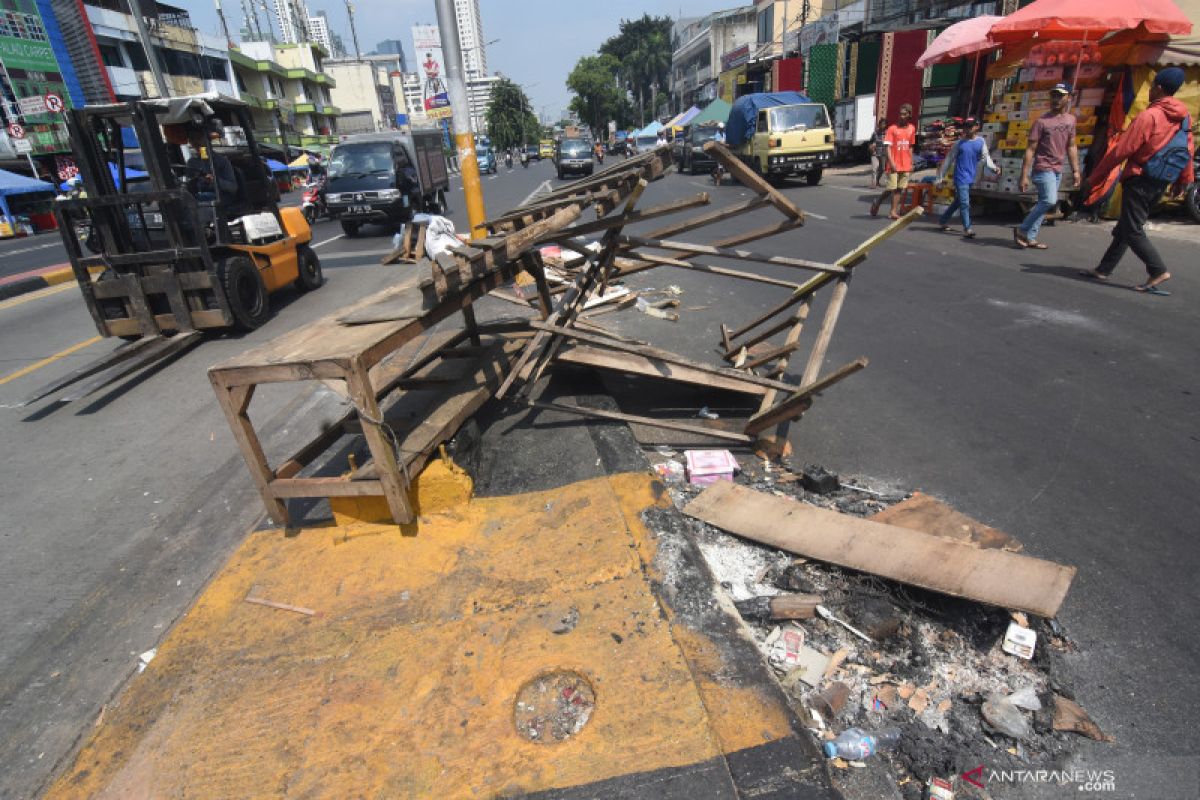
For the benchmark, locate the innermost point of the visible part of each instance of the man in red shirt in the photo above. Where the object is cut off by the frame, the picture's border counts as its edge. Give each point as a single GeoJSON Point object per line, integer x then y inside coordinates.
{"type": "Point", "coordinates": [897, 147]}
{"type": "Point", "coordinates": [1149, 132]}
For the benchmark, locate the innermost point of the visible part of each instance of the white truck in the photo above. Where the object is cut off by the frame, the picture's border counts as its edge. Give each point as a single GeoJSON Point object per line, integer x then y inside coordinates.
{"type": "Point", "coordinates": [853, 123]}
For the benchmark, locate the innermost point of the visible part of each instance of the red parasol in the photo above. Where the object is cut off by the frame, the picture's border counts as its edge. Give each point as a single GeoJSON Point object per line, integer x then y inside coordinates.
{"type": "Point", "coordinates": [1089, 19]}
{"type": "Point", "coordinates": [960, 39]}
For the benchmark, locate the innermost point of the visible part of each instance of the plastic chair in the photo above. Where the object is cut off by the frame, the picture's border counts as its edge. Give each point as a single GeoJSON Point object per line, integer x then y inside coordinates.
{"type": "Point", "coordinates": [917, 194]}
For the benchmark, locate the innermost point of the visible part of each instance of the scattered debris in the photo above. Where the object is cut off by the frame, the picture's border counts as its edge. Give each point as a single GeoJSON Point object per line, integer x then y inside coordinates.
{"type": "Point", "coordinates": [827, 615]}
{"type": "Point", "coordinates": [854, 744]}
{"type": "Point", "coordinates": [709, 466]}
{"type": "Point", "coordinates": [1070, 716]}
{"type": "Point", "coordinates": [670, 470]}
{"type": "Point", "coordinates": [281, 606]}
{"type": "Point", "coordinates": [704, 413]}
{"type": "Point", "coordinates": [788, 650]}
{"type": "Point", "coordinates": [780, 606]}
{"type": "Point", "coordinates": [145, 658]}
{"type": "Point", "coordinates": [996, 577]}
{"type": "Point", "coordinates": [817, 479]}
{"type": "Point", "coordinates": [1019, 640]}
{"type": "Point", "coordinates": [938, 789]}
{"type": "Point", "coordinates": [831, 700]}
{"type": "Point", "coordinates": [809, 668]}
{"type": "Point", "coordinates": [1004, 716]}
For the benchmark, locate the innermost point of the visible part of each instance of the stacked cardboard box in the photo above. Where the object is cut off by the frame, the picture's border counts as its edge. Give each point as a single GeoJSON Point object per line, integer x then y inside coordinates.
{"type": "Point", "coordinates": [1007, 123]}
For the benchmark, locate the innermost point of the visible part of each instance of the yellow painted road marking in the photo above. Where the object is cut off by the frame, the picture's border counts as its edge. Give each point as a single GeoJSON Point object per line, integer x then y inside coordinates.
{"type": "Point", "coordinates": [12, 376]}
{"type": "Point", "coordinates": [25, 298]}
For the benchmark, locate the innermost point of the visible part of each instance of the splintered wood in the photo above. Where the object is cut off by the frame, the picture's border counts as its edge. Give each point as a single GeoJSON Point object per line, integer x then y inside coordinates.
{"type": "Point", "coordinates": [383, 347]}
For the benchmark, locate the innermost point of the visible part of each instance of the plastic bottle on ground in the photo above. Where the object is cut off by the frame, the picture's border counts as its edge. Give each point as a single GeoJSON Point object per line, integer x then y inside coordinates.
{"type": "Point", "coordinates": [855, 744]}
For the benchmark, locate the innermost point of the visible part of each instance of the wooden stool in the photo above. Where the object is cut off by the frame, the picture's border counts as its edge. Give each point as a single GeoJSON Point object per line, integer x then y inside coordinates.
{"type": "Point", "coordinates": [917, 194]}
{"type": "Point", "coordinates": [412, 245]}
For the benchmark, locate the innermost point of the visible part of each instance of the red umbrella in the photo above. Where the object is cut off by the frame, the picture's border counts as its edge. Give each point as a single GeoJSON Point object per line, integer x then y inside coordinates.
{"type": "Point", "coordinates": [960, 39]}
{"type": "Point", "coordinates": [1089, 19]}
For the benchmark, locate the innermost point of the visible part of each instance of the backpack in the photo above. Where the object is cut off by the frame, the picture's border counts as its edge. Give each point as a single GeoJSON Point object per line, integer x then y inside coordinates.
{"type": "Point", "coordinates": [1172, 159]}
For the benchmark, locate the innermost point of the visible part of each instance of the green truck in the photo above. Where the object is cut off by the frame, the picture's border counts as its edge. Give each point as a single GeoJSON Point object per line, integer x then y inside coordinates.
{"type": "Point", "coordinates": [781, 134]}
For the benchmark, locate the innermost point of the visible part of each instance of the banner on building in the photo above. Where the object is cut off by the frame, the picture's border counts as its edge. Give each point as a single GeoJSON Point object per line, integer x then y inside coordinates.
{"type": "Point", "coordinates": [823, 31]}
{"type": "Point", "coordinates": [427, 47]}
{"type": "Point", "coordinates": [735, 57]}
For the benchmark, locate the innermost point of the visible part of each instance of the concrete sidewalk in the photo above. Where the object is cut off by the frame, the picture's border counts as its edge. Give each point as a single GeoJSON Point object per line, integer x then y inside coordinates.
{"type": "Point", "coordinates": [408, 678]}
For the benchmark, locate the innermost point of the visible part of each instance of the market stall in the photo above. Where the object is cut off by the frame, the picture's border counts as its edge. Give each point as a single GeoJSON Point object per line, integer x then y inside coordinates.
{"type": "Point", "coordinates": [22, 198]}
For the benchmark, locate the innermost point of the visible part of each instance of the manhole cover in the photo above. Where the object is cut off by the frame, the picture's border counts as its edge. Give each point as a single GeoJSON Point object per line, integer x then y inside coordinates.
{"type": "Point", "coordinates": [554, 706]}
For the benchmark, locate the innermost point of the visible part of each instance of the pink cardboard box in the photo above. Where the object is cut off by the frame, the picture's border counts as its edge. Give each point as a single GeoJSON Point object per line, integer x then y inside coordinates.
{"type": "Point", "coordinates": [710, 466]}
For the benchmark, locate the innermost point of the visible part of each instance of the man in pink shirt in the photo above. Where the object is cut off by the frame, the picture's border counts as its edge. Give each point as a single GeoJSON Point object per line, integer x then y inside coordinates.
{"type": "Point", "coordinates": [1051, 141]}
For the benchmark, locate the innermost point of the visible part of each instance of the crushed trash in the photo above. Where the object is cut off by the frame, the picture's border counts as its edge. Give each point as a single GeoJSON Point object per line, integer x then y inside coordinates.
{"type": "Point", "coordinates": [1019, 641]}
{"type": "Point", "coordinates": [704, 413]}
{"type": "Point", "coordinates": [145, 658]}
{"type": "Point", "coordinates": [709, 466]}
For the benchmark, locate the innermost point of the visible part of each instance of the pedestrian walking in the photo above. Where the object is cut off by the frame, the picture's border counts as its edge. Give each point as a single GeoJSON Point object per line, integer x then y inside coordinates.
{"type": "Point", "coordinates": [875, 148]}
{"type": "Point", "coordinates": [965, 157]}
{"type": "Point", "coordinates": [1157, 151]}
{"type": "Point", "coordinates": [1051, 141]}
{"type": "Point", "coordinates": [898, 144]}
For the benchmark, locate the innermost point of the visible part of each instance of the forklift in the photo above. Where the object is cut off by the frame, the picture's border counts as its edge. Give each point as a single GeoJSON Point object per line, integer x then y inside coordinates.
{"type": "Point", "coordinates": [197, 246]}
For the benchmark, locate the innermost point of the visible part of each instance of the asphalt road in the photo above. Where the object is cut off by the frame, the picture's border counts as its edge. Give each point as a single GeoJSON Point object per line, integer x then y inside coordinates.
{"type": "Point", "coordinates": [1059, 411]}
{"type": "Point", "coordinates": [31, 252]}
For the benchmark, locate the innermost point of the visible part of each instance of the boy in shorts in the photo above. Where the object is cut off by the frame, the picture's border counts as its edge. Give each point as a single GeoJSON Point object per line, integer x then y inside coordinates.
{"type": "Point", "coordinates": [898, 145]}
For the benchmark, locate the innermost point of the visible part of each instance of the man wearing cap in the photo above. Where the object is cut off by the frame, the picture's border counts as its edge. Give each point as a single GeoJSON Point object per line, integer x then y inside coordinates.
{"type": "Point", "coordinates": [1051, 139]}
{"type": "Point", "coordinates": [1149, 133]}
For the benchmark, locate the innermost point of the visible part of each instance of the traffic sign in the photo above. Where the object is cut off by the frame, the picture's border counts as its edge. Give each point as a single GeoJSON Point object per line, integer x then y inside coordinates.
{"type": "Point", "coordinates": [23, 146]}
{"type": "Point", "coordinates": [32, 105]}
{"type": "Point", "coordinates": [54, 103]}
{"type": "Point", "coordinates": [15, 130]}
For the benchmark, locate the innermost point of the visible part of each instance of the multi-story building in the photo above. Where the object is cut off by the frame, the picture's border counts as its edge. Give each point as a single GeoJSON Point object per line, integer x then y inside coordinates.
{"type": "Point", "coordinates": [285, 85]}
{"type": "Point", "coordinates": [369, 91]}
{"type": "Point", "coordinates": [699, 43]}
{"type": "Point", "coordinates": [392, 47]}
{"type": "Point", "coordinates": [292, 18]}
{"type": "Point", "coordinates": [318, 29]}
{"type": "Point", "coordinates": [191, 62]}
{"type": "Point", "coordinates": [470, 38]}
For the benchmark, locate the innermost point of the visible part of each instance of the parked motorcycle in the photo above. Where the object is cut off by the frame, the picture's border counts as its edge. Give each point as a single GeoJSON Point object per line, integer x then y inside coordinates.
{"type": "Point", "coordinates": [1191, 197]}
{"type": "Point", "coordinates": [312, 201]}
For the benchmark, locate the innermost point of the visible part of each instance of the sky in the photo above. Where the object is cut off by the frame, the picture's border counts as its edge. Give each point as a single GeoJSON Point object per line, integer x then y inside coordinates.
{"type": "Point", "coordinates": [539, 40]}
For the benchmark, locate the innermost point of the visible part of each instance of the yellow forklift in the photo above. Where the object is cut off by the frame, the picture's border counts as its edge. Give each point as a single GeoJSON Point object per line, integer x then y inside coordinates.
{"type": "Point", "coordinates": [191, 240]}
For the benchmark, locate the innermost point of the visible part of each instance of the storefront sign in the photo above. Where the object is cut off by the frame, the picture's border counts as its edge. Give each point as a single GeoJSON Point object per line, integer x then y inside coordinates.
{"type": "Point", "coordinates": [823, 31]}
{"type": "Point", "coordinates": [32, 105]}
{"type": "Point", "coordinates": [22, 146]}
{"type": "Point", "coordinates": [735, 57]}
{"type": "Point", "coordinates": [26, 54]}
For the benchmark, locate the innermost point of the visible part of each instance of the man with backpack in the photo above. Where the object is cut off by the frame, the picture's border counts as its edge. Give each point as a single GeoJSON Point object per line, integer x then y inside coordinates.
{"type": "Point", "coordinates": [1157, 151]}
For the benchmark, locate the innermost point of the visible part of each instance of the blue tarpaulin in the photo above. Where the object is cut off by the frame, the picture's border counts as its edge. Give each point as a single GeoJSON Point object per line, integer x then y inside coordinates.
{"type": "Point", "coordinates": [130, 174]}
{"type": "Point", "coordinates": [13, 183]}
{"type": "Point", "coordinates": [744, 114]}
{"type": "Point", "coordinates": [276, 166]}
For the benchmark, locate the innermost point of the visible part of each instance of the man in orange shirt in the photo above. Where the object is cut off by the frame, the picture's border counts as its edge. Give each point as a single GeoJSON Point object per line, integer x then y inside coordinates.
{"type": "Point", "coordinates": [897, 148]}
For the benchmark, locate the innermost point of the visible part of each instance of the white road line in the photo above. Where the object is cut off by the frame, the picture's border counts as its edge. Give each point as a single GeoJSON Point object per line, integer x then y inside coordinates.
{"type": "Point", "coordinates": [541, 187]}
{"type": "Point", "coordinates": [29, 249]}
{"type": "Point", "coordinates": [330, 239]}
{"type": "Point", "coordinates": [815, 216]}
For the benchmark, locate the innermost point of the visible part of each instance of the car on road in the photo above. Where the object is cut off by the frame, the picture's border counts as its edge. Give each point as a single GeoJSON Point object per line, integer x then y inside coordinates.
{"type": "Point", "coordinates": [546, 148]}
{"type": "Point", "coordinates": [486, 158]}
{"type": "Point", "coordinates": [573, 157]}
{"type": "Point", "coordinates": [385, 178]}
{"type": "Point", "coordinates": [533, 152]}
{"type": "Point", "coordinates": [688, 148]}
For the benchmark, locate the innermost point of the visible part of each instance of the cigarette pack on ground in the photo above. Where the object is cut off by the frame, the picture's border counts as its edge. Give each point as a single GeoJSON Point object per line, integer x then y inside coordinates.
{"type": "Point", "coordinates": [710, 466]}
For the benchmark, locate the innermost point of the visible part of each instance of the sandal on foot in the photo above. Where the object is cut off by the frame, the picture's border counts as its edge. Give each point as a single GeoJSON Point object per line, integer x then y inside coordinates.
{"type": "Point", "coordinates": [893, 216]}
{"type": "Point", "coordinates": [1035, 245]}
{"type": "Point", "coordinates": [1019, 240]}
{"type": "Point", "coordinates": [1093, 275]}
{"type": "Point", "coordinates": [1146, 288]}
{"type": "Point", "coordinates": [944, 228]}
{"type": "Point", "coordinates": [875, 209]}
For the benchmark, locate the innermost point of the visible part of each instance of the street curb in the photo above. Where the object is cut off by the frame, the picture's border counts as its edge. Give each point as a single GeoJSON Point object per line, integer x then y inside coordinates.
{"type": "Point", "coordinates": [34, 283]}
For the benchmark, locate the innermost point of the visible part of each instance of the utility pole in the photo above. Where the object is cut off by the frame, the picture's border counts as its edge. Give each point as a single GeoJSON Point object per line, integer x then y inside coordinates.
{"type": "Point", "coordinates": [224, 24]}
{"type": "Point", "coordinates": [464, 137]}
{"type": "Point", "coordinates": [353, 30]}
{"type": "Point", "coordinates": [151, 54]}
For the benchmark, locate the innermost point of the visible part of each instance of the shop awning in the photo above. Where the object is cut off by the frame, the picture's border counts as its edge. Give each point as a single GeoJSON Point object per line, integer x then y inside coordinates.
{"type": "Point", "coordinates": [684, 117]}
{"type": "Point", "coordinates": [14, 183]}
{"type": "Point", "coordinates": [716, 111]}
{"type": "Point", "coordinates": [1089, 19]}
{"type": "Point", "coordinates": [960, 39]}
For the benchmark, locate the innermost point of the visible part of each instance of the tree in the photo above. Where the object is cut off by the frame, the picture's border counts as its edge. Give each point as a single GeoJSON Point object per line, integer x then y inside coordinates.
{"type": "Point", "coordinates": [597, 96]}
{"type": "Point", "coordinates": [642, 48]}
{"type": "Point", "coordinates": [510, 118]}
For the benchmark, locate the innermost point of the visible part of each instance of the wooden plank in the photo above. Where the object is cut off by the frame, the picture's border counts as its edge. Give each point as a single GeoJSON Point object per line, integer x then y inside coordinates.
{"type": "Point", "coordinates": [771, 355]}
{"type": "Point", "coordinates": [326, 487]}
{"type": "Point", "coordinates": [791, 340]}
{"type": "Point", "coordinates": [734, 255]}
{"type": "Point", "coordinates": [649, 367]}
{"type": "Point", "coordinates": [923, 513]}
{"type": "Point", "coordinates": [632, 218]}
{"type": "Point", "coordinates": [651, 261]}
{"type": "Point", "coordinates": [825, 335]}
{"type": "Point", "coordinates": [663, 356]}
{"type": "Point", "coordinates": [235, 401]}
{"type": "Point", "coordinates": [995, 577]}
{"type": "Point", "coordinates": [702, 430]}
{"type": "Point", "coordinates": [714, 216]}
{"type": "Point", "coordinates": [798, 402]}
{"type": "Point", "coordinates": [751, 180]}
{"type": "Point", "coordinates": [380, 442]}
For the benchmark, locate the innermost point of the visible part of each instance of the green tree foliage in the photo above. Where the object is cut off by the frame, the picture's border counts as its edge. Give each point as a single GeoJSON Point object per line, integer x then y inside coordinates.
{"type": "Point", "coordinates": [510, 118]}
{"type": "Point", "coordinates": [598, 98]}
{"type": "Point", "coordinates": [642, 48]}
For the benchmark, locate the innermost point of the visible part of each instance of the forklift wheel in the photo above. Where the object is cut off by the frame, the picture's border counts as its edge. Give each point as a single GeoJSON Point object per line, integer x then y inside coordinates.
{"type": "Point", "coordinates": [349, 228]}
{"type": "Point", "coordinates": [246, 293]}
{"type": "Point", "coordinates": [309, 268]}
